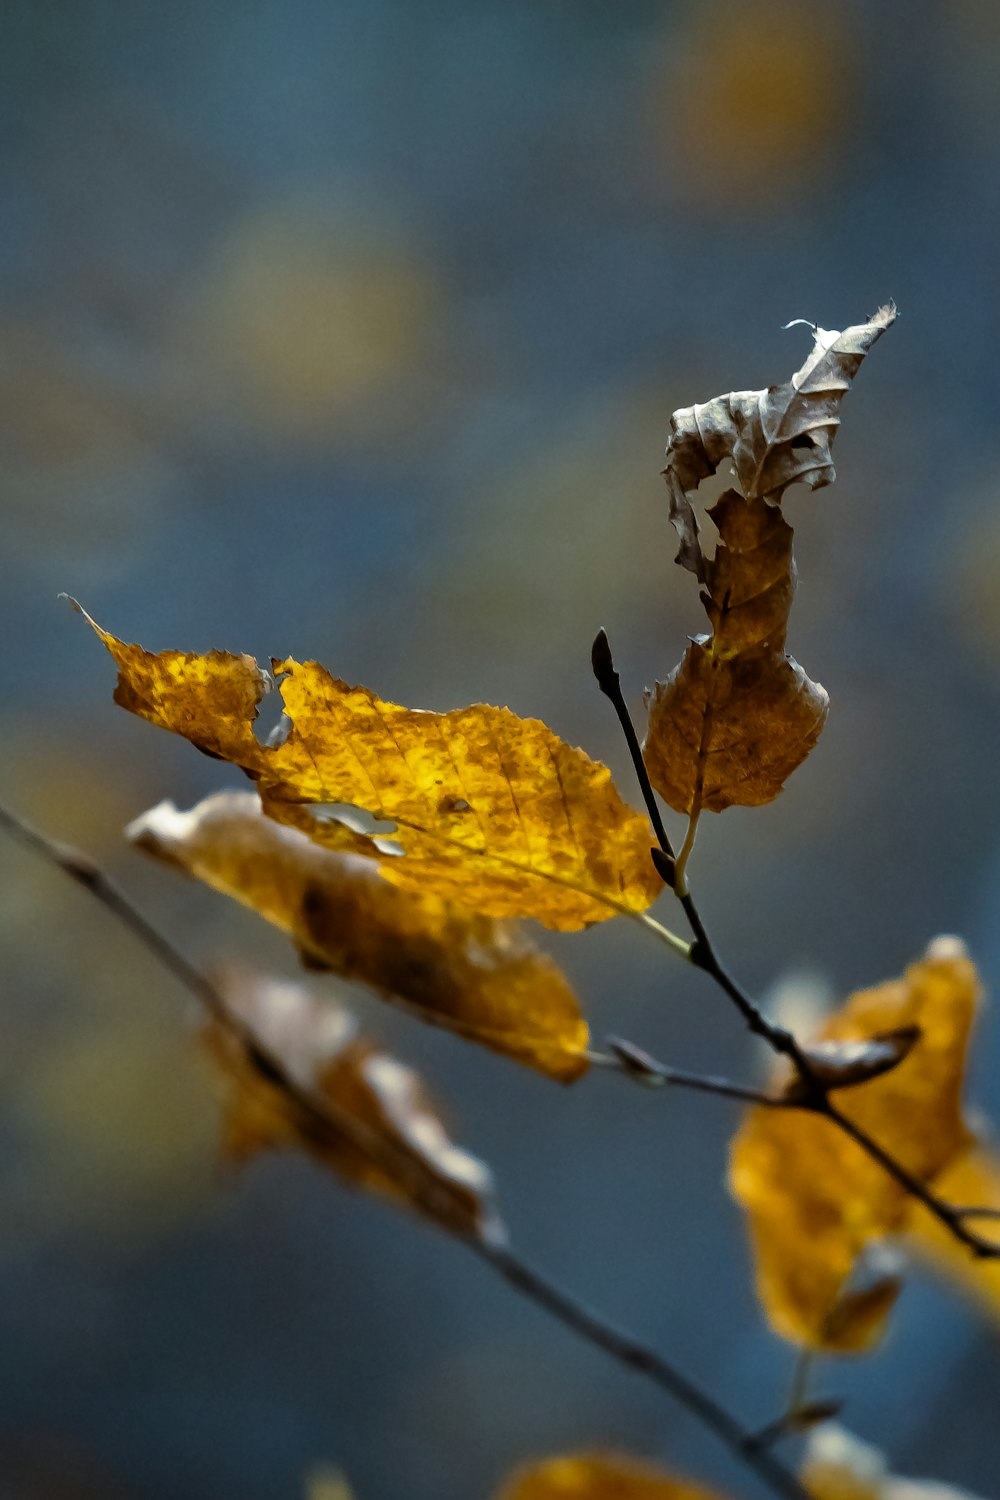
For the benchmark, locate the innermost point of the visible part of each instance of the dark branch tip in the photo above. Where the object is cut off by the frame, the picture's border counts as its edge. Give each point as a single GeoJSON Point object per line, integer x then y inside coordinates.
{"type": "Point", "coordinates": [603, 664]}
{"type": "Point", "coordinates": [77, 864]}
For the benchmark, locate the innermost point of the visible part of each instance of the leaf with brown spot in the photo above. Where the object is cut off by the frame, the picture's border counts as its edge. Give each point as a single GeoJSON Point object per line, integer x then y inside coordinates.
{"type": "Point", "coordinates": [597, 1476]}
{"type": "Point", "coordinates": [353, 1107]}
{"type": "Point", "coordinates": [479, 976]}
{"type": "Point", "coordinates": [737, 716]}
{"type": "Point", "coordinates": [816, 1201]}
{"type": "Point", "coordinates": [490, 810]}
{"type": "Point", "coordinates": [774, 438]}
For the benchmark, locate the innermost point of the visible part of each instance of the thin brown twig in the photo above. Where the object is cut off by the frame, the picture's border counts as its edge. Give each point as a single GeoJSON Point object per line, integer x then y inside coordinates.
{"type": "Point", "coordinates": [813, 1095]}
{"type": "Point", "coordinates": [327, 1120]}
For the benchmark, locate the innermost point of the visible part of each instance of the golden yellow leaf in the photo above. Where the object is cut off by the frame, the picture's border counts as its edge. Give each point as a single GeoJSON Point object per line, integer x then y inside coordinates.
{"type": "Point", "coordinates": [738, 715]}
{"type": "Point", "coordinates": [817, 1202]}
{"type": "Point", "coordinates": [490, 810]}
{"type": "Point", "coordinates": [384, 1135]}
{"type": "Point", "coordinates": [211, 700]}
{"type": "Point", "coordinates": [972, 1180]}
{"type": "Point", "coordinates": [838, 1466]}
{"type": "Point", "coordinates": [481, 977]}
{"type": "Point", "coordinates": [774, 438]}
{"type": "Point", "coordinates": [596, 1476]}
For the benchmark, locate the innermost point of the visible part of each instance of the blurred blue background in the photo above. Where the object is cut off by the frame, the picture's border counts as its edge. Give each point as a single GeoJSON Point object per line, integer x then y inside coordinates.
{"type": "Point", "coordinates": [350, 329]}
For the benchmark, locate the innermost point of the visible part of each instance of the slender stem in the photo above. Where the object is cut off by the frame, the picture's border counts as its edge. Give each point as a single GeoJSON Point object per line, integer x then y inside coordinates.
{"type": "Point", "coordinates": [814, 1095]}
{"type": "Point", "coordinates": [610, 685]}
{"type": "Point", "coordinates": [643, 1068]}
{"type": "Point", "coordinates": [663, 934]}
{"type": "Point", "coordinates": [630, 1059]}
{"type": "Point", "coordinates": [947, 1215]}
{"type": "Point", "coordinates": [680, 878]}
{"type": "Point", "coordinates": [628, 1351]}
{"type": "Point", "coordinates": [801, 1372]}
{"type": "Point", "coordinates": [82, 869]}
{"type": "Point", "coordinates": [325, 1119]}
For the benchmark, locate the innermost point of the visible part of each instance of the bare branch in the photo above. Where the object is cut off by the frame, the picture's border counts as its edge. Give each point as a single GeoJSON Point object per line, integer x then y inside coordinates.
{"type": "Point", "coordinates": [592, 1327]}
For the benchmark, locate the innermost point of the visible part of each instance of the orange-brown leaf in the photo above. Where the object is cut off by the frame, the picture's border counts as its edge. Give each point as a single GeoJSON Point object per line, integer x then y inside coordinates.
{"type": "Point", "coordinates": [476, 975]}
{"type": "Point", "coordinates": [737, 715]}
{"type": "Point", "coordinates": [490, 810]}
{"type": "Point", "coordinates": [373, 1123]}
{"type": "Point", "coordinates": [596, 1476]}
{"type": "Point", "coordinates": [816, 1202]}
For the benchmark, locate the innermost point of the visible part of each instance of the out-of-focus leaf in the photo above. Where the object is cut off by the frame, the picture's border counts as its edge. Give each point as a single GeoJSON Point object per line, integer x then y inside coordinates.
{"type": "Point", "coordinates": [479, 976]}
{"type": "Point", "coordinates": [492, 811]}
{"type": "Point", "coordinates": [595, 1476]}
{"type": "Point", "coordinates": [971, 1181]}
{"type": "Point", "coordinates": [774, 438]}
{"type": "Point", "coordinates": [740, 118]}
{"type": "Point", "coordinates": [838, 1466]}
{"type": "Point", "coordinates": [255, 320]}
{"type": "Point", "coordinates": [816, 1202]}
{"type": "Point", "coordinates": [738, 715]}
{"type": "Point", "coordinates": [383, 1135]}
{"type": "Point", "coordinates": [328, 1484]}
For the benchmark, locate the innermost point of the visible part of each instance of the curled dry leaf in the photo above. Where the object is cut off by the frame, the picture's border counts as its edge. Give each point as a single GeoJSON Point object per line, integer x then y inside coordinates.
{"type": "Point", "coordinates": [816, 1202]}
{"type": "Point", "coordinates": [738, 715]}
{"type": "Point", "coordinates": [774, 438]}
{"type": "Point", "coordinates": [838, 1466]}
{"type": "Point", "coordinates": [481, 977]}
{"type": "Point", "coordinates": [490, 810]}
{"type": "Point", "coordinates": [596, 1476]}
{"type": "Point", "coordinates": [350, 1105]}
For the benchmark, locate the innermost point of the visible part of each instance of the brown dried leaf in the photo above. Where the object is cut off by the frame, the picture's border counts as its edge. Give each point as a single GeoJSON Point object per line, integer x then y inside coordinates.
{"type": "Point", "coordinates": [738, 715]}
{"type": "Point", "coordinates": [374, 1124]}
{"type": "Point", "coordinates": [492, 811]}
{"type": "Point", "coordinates": [479, 976]}
{"type": "Point", "coordinates": [775, 437]}
{"type": "Point", "coordinates": [838, 1466]}
{"type": "Point", "coordinates": [816, 1202]}
{"type": "Point", "coordinates": [596, 1476]}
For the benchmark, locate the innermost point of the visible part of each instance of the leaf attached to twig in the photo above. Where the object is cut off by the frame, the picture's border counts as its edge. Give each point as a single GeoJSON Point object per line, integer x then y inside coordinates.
{"type": "Point", "coordinates": [490, 810]}
{"type": "Point", "coordinates": [774, 438]}
{"type": "Point", "coordinates": [738, 715]}
{"type": "Point", "coordinates": [972, 1180]}
{"type": "Point", "coordinates": [816, 1201]}
{"type": "Point", "coordinates": [479, 976]}
{"type": "Point", "coordinates": [350, 1105]}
